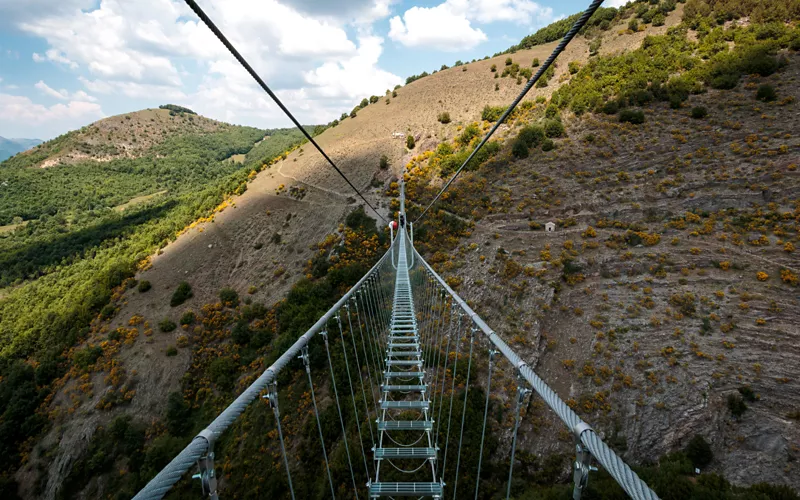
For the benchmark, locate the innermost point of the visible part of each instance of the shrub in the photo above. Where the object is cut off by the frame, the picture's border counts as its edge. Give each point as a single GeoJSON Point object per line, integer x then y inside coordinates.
{"type": "Point", "coordinates": [353, 114]}
{"type": "Point", "coordinates": [492, 113]}
{"type": "Point", "coordinates": [757, 60]}
{"type": "Point", "coordinates": [394, 93]}
{"type": "Point", "coordinates": [553, 128]}
{"type": "Point", "coordinates": [535, 62]}
{"type": "Point", "coordinates": [635, 116]}
{"type": "Point", "coordinates": [548, 145]}
{"type": "Point", "coordinates": [699, 112]}
{"type": "Point", "coordinates": [574, 67]}
{"type": "Point", "coordinates": [611, 108]}
{"type": "Point", "coordinates": [633, 25]}
{"type": "Point", "coordinates": [223, 372]}
{"type": "Point", "coordinates": [736, 405]}
{"type": "Point", "coordinates": [594, 47]}
{"type": "Point", "coordinates": [496, 87]}
{"type": "Point", "coordinates": [87, 356]}
{"type": "Point", "coordinates": [747, 393]}
{"type": "Point", "coordinates": [188, 318]}
{"type": "Point", "coordinates": [373, 99]}
{"type": "Point", "coordinates": [519, 149]}
{"type": "Point", "coordinates": [699, 451]}
{"type": "Point", "coordinates": [410, 142]}
{"type": "Point", "coordinates": [493, 68]}
{"type": "Point", "coordinates": [470, 132]}
{"type": "Point", "coordinates": [181, 295]}
{"type": "Point", "coordinates": [166, 325]}
{"type": "Point", "coordinates": [766, 93]}
{"type": "Point", "coordinates": [508, 61]}
{"type": "Point", "coordinates": [384, 162]}
{"type": "Point", "coordinates": [144, 286]}
{"type": "Point", "coordinates": [229, 297]}
{"type": "Point", "coordinates": [364, 103]}
{"type": "Point", "coordinates": [532, 135]}
{"type": "Point", "coordinates": [172, 351]}
{"type": "Point", "coordinates": [107, 311]}
{"type": "Point", "coordinates": [444, 117]}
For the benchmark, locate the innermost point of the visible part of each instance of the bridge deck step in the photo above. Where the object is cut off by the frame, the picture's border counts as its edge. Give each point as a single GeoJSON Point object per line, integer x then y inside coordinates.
{"type": "Point", "coordinates": [406, 425]}
{"type": "Point", "coordinates": [404, 374]}
{"type": "Point", "coordinates": [404, 388]}
{"type": "Point", "coordinates": [405, 405]}
{"type": "Point", "coordinates": [424, 453]}
{"type": "Point", "coordinates": [394, 345]}
{"type": "Point", "coordinates": [404, 353]}
{"type": "Point", "coordinates": [377, 490]}
{"type": "Point", "coordinates": [404, 362]}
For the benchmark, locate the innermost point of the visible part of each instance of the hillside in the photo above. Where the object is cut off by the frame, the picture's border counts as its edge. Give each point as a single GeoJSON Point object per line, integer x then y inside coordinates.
{"type": "Point", "coordinates": [646, 309]}
{"type": "Point", "coordinates": [10, 147]}
{"type": "Point", "coordinates": [129, 135]}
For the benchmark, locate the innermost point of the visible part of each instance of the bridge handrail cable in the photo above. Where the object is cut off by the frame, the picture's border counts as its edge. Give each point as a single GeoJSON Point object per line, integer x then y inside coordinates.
{"type": "Point", "coordinates": [172, 472]}
{"type": "Point", "coordinates": [616, 467]}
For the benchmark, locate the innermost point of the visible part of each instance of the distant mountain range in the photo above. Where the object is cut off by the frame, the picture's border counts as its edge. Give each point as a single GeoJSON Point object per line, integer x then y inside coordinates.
{"type": "Point", "coordinates": [10, 147]}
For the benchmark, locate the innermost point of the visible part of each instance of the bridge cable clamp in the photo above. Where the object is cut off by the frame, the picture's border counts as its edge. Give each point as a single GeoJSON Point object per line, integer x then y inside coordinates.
{"type": "Point", "coordinates": [583, 461]}
{"type": "Point", "coordinates": [304, 356]}
{"type": "Point", "coordinates": [205, 464]}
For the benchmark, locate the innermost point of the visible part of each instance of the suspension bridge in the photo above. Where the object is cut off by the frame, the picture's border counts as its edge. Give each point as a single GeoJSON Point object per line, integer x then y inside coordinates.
{"type": "Point", "coordinates": [404, 334]}
{"type": "Point", "coordinates": [402, 330]}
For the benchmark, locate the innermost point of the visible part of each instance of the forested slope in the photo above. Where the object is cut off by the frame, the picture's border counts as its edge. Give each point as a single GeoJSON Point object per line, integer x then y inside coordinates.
{"type": "Point", "coordinates": [75, 230]}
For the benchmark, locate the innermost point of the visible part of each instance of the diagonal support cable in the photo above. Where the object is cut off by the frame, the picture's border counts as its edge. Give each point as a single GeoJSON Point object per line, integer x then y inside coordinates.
{"type": "Point", "coordinates": [560, 48]}
{"type": "Point", "coordinates": [222, 38]}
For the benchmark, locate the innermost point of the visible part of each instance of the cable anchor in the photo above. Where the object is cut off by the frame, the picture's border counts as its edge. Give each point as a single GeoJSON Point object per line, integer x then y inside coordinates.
{"type": "Point", "coordinates": [205, 464]}
{"type": "Point", "coordinates": [583, 462]}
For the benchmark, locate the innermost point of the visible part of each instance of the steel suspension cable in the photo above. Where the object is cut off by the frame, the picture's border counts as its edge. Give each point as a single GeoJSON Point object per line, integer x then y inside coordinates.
{"type": "Point", "coordinates": [560, 48]}
{"type": "Point", "coordinates": [352, 392]}
{"type": "Point", "coordinates": [520, 397]}
{"type": "Point", "coordinates": [307, 364]}
{"type": "Point", "coordinates": [366, 358]}
{"type": "Point", "coordinates": [210, 24]}
{"type": "Point", "coordinates": [339, 410]}
{"type": "Point", "coordinates": [492, 352]}
{"type": "Point", "coordinates": [452, 393]}
{"type": "Point", "coordinates": [464, 409]}
{"type": "Point", "coordinates": [443, 358]}
{"type": "Point", "coordinates": [369, 323]}
{"type": "Point", "coordinates": [360, 375]}
{"type": "Point", "coordinates": [273, 402]}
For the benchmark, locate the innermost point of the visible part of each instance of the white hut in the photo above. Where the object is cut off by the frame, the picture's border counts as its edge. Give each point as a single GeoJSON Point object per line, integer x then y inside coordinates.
{"type": "Point", "coordinates": [550, 227]}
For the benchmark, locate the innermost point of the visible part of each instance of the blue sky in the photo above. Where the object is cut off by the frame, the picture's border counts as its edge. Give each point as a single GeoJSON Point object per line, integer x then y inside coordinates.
{"type": "Point", "coordinates": [67, 63]}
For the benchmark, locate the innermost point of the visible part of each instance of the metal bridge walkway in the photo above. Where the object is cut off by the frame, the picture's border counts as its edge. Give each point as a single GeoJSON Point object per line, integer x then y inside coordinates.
{"type": "Point", "coordinates": [404, 401]}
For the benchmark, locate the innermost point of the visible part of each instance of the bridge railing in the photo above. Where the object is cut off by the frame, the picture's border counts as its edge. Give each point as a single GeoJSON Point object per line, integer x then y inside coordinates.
{"type": "Point", "coordinates": [588, 443]}
{"type": "Point", "coordinates": [446, 323]}
{"type": "Point", "coordinates": [372, 293]}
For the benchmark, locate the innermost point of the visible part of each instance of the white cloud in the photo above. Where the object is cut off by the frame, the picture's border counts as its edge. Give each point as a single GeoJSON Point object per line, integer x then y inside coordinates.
{"type": "Point", "coordinates": [58, 94]}
{"type": "Point", "coordinates": [63, 94]}
{"type": "Point", "coordinates": [517, 11]}
{"type": "Point", "coordinates": [448, 26]}
{"type": "Point", "coordinates": [436, 27]}
{"type": "Point", "coordinates": [158, 50]}
{"type": "Point", "coordinates": [132, 89]}
{"type": "Point", "coordinates": [354, 77]}
{"type": "Point", "coordinates": [616, 3]}
{"type": "Point", "coordinates": [22, 111]}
